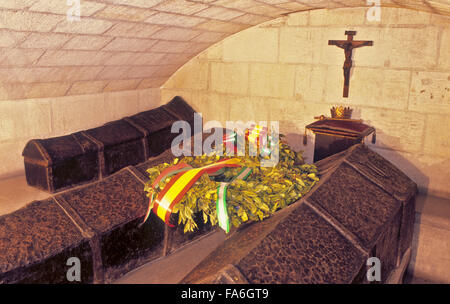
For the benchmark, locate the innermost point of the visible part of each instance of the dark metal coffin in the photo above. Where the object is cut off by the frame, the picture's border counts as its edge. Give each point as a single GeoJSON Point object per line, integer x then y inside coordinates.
{"type": "Point", "coordinates": [99, 223]}
{"type": "Point", "coordinates": [119, 145]}
{"type": "Point", "coordinates": [114, 209]}
{"type": "Point", "coordinates": [36, 243]}
{"type": "Point", "coordinates": [361, 208]}
{"type": "Point", "coordinates": [387, 176]}
{"type": "Point", "coordinates": [181, 109]}
{"type": "Point", "coordinates": [55, 163]}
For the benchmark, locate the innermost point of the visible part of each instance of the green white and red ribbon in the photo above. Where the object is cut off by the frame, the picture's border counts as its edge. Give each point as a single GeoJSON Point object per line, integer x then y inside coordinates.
{"type": "Point", "coordinates": [221, 203]}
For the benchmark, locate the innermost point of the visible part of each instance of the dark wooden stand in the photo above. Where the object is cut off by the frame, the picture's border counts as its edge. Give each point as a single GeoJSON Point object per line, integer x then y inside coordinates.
{"type": "Point", "coordinates": [336, 135]}
{"type": "Point", "coordinates": [327, 145]}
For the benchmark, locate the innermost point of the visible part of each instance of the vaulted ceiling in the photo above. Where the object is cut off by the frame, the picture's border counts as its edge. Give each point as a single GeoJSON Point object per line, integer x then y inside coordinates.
{"type": "Point", "coordinates": [128, 44]}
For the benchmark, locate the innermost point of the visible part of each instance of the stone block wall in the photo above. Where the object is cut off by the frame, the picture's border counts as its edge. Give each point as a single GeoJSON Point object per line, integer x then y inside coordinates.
{"type": "Point", "coordinates": [284, 70]}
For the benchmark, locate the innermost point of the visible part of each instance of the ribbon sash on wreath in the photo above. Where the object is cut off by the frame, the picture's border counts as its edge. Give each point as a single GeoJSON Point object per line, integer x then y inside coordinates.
{"type": "Point", "coordinates": [221, 203]}
{"type": "Point", "coordinates": [185, 177]}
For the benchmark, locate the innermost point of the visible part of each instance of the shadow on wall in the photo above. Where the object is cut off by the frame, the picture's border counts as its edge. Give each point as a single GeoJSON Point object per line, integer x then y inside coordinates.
{"type": "Point", "coordinates": [384, 146]}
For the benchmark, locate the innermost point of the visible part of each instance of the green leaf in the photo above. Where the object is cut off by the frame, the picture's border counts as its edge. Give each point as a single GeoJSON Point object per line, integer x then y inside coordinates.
{"type": "Point", "coordinates": [244, 216]}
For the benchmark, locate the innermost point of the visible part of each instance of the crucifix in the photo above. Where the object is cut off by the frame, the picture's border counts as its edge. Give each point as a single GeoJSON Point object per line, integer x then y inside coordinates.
{"type": "Point", "coordinates": [348, 46]}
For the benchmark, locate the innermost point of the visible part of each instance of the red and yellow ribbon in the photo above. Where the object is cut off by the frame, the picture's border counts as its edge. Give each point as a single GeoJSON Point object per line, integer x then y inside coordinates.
{"type": "Point", "coordinates": [252, 134]}
{"type": "Point", "coordinates": [255, 132]}
{"type": "Point", "coordinates": [177, 187]}
{"type": "Point", "coordinates": [229, 140]}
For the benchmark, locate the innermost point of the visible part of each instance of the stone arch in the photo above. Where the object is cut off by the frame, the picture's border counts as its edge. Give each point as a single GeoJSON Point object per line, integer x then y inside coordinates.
{"type": "Point", "coordinates": [125, 45]}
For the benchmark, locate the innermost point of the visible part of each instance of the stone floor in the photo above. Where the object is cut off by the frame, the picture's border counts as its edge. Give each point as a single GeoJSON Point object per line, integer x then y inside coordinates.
{"type": "Point", "coordinates": [172, 269]}
{"type": "Point", "coordinates": [430, 259]}
{"type": "Point", "coordinates": [15, 193]}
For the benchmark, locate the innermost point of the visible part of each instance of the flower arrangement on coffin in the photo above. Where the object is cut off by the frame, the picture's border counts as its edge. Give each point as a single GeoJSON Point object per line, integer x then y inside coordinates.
{"type": "Point", "coordinates": [233, 190]}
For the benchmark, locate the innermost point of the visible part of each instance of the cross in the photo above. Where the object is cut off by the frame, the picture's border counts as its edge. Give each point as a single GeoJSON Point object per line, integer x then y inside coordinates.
{"type": "Point", "coordinates": [348, 46]}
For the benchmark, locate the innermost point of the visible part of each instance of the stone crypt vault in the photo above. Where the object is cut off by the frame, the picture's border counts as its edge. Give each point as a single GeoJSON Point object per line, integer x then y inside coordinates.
{"type": "Point", "coordinates": [233, 60]}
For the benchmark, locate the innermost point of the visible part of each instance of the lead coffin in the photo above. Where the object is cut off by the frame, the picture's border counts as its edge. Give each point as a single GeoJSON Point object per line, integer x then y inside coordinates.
{"type": "Point", "coordinates": [54, 164]}
{"type": "Point", "coordinates": [327, 236]}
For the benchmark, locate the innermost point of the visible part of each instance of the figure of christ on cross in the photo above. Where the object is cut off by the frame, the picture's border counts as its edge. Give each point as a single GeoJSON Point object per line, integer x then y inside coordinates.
{"type": "Point", "coordinates": [348, 46]}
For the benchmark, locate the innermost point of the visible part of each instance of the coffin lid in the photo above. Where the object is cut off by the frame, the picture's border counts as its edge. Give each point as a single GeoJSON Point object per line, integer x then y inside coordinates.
{"type": "Point", "coordinates": [113, 201]}
{"type": "Point", "coordinates": [51, 150]}
{"type": "Point", "coordinates": [153, 120]}
{"type": "Point", "coordinates": [114, 133]}
{"type": "Point", "coordinates": [180, 108]}
{"type": "Point", "coordinates": [375, 168]}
